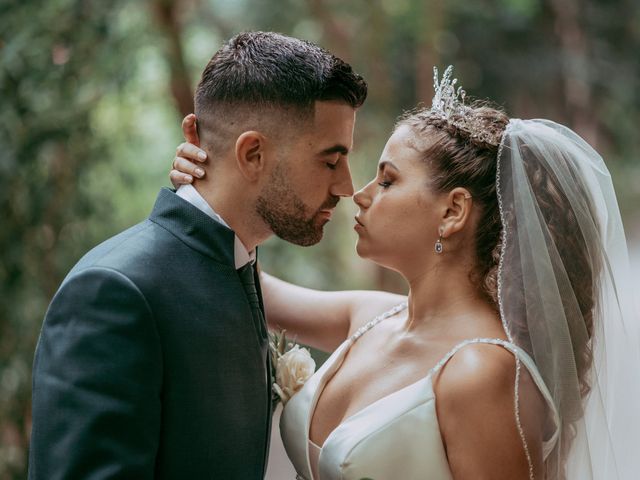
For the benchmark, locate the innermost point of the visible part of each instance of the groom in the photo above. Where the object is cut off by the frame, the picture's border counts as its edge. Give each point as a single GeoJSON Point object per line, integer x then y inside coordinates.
{"type": "Point", "coordinates": [153, 357]}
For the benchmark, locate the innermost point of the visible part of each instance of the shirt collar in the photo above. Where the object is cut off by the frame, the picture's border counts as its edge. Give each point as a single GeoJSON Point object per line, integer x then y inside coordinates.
{"type": "Point", "coordinates": [191, 195]}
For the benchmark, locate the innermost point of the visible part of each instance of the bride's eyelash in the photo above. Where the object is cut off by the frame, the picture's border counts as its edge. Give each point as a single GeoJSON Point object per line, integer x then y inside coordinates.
{"type": "Point", "coordinates": [384, 184]}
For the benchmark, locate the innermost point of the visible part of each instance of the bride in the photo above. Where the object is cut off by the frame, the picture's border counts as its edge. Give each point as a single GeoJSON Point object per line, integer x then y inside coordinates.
{"type": "Point", "coordinates": [515, 354]}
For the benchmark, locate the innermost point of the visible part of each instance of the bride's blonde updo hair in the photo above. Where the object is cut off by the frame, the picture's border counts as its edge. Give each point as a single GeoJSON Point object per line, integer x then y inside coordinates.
{"type": "Point", "coordinates": [458, 158]}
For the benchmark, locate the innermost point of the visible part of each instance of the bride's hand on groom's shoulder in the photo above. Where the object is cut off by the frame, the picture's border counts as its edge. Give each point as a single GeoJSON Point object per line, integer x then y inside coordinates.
{"type": "Point", "coordinates": [185, 164]}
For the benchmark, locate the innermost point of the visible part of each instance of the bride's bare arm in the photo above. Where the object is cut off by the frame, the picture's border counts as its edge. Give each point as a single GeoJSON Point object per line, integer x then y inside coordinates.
{"type": "Point", "coordinates": [476, 414]}
{"type": "Point", "coordinates": [317, 318]}
{"type": "Point", "coordinates": [320, 319]}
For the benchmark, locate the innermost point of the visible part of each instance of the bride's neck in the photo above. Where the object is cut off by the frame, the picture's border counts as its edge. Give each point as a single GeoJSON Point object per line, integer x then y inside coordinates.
{"type": "Point", "coordinates": [439, 298]}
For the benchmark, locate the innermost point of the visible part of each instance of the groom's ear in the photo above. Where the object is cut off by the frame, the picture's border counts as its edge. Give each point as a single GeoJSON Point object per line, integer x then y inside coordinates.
{"type": "Point", "coordinates": [250, 154]}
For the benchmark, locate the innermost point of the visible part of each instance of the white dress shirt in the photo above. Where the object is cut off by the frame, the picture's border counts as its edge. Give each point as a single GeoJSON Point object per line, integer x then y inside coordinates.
{"type": "Point", "coordinates": [191, 195]}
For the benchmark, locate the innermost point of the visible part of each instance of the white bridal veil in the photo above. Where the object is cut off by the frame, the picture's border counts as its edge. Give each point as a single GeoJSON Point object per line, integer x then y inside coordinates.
{"type": "Point", "coordinates": [565, 296]}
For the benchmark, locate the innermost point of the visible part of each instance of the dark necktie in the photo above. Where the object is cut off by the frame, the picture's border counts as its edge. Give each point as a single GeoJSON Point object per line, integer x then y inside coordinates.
{"type": "Point", "coordinates": [246, 274]}
{"type": "Point", "coordinates": [248, 282]}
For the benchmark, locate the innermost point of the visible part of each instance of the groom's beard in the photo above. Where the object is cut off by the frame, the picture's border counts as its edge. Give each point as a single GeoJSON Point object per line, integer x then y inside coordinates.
{"type": "Point", "coordinates": [287, 215]}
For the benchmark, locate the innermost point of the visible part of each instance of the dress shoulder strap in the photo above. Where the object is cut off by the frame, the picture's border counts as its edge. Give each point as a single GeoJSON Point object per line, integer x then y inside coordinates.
{"type": "Point", "coordinates": [383, 316]}
{"type": "Point", "coordinates": [520, 355]}
{"type": "Point", "coordinates": [494, 341]}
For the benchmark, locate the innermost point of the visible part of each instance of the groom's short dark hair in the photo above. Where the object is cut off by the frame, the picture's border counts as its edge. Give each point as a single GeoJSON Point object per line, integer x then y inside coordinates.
{"type": "Point", "coordinates": [255, 73]}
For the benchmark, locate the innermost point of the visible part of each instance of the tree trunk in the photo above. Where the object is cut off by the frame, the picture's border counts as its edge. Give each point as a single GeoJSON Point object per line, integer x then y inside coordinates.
{"type": "Point", "coordinates": [166, 13]}
{"type": "Point", "coordinates": [336, 35]}
{"type": "Point", "coordinates": [575, 68]}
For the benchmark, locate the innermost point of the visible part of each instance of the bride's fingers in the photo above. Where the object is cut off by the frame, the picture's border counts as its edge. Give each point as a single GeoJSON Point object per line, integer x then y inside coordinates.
{"type": "Point", "coordinates": [186, 166]}
{"type": "Point", "coordinates": [189, 129]}
{"type": "Point", "coordinates": [178, 178]}
{"type": "Point", "coordinates": [191, 152]}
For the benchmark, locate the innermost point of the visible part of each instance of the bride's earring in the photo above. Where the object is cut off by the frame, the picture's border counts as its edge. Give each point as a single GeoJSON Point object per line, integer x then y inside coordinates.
{"type": "Point", "coordinates": [439, 246]}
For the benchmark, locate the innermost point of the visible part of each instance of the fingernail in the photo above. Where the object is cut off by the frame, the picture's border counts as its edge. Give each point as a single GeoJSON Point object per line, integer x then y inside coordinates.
{"type": "Point", "coordinates": [188, 178]}
{"type": "Point", "coordinates": [199, 172]}
{"type": "Point", "coordinates": [202, 155]}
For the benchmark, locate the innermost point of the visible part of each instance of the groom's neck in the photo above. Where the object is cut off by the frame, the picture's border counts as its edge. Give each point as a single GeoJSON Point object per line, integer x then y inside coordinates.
{"type": "Point", "coordinates": [236, 206]}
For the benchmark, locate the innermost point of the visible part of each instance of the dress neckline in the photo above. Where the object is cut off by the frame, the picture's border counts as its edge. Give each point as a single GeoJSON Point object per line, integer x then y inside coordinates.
{"type": "Point", "coordinates": [363, 410]}
{"type": "Point", "coordinates": [337, 363]}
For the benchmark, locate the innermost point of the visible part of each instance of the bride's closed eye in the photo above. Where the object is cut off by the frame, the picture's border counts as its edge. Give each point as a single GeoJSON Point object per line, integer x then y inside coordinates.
{"type": "Point", "coordinates": [386, 180]}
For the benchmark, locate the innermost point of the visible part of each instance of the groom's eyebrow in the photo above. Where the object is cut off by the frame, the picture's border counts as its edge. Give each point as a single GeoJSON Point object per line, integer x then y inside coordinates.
{"type": "Point", "coordinates": [341, 149]}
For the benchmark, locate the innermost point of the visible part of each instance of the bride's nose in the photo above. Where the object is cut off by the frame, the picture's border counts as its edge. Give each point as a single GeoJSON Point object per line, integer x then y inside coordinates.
{"type": "Point", "coordinates": [361, 198]}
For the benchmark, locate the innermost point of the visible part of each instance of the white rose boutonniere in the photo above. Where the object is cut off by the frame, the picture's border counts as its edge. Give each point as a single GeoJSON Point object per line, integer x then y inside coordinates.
{"type": "Point", "coordinates": [293, 367]}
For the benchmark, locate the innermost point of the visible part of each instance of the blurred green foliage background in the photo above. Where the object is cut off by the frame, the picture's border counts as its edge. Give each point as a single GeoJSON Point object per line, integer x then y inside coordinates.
{"type": "Point", "coordinates": [92, 94]}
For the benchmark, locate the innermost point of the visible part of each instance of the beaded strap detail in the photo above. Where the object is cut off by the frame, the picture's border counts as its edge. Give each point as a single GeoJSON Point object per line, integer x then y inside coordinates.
{"type": "Point", "coordinates": [454, 350]}
{"type": "Point", "coordinates": [369, 325]}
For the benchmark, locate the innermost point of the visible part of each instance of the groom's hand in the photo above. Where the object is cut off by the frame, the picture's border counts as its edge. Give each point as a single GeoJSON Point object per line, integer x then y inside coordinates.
{"type": "Point", "coordinates": [188, 155]}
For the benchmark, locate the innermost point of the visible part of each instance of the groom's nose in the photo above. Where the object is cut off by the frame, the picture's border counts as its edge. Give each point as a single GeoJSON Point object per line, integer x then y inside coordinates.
{"type": "Point", "coordinates": [343, 187]}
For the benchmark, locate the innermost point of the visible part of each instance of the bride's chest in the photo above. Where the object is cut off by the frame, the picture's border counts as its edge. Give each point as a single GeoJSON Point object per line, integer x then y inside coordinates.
{"type": "Point", "coordinates": [364, 376]}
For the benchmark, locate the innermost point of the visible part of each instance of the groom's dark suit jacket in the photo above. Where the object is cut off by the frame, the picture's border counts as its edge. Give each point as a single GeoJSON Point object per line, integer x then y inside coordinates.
{"type": "Point", "coordinates": [149, 364]}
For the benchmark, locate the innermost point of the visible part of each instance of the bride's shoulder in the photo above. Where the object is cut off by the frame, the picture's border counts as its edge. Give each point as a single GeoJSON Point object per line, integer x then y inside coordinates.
{"type": "Point", "coordinates": [477, 371]}
{"type": "Point", "coordinates": [369, 304]}
{"type": "Point", "coordinates": [475, 394]}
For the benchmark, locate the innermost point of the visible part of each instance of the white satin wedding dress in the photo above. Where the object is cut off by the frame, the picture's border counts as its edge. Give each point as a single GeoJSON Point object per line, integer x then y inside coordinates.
{"type": "Point", "coordinates": [394, 438]}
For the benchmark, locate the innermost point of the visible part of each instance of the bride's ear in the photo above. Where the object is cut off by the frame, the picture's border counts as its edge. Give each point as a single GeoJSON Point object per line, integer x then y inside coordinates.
{"type": "Point", "coordinates": [458, 211]}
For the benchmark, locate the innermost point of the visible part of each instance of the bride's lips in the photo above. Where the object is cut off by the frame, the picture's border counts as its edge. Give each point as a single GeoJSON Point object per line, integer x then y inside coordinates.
{"type": "Point", "coordinates": [358, 226]}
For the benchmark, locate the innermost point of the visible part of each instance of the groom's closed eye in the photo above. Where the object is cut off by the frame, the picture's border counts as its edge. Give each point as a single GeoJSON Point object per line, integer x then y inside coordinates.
{"type": "Point", "coordinates": [331, 159]}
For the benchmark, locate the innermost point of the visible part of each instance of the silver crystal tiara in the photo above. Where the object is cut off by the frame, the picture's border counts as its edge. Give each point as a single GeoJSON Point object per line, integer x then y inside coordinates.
{"type": "Point", "coordinates": [448, 104]}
